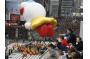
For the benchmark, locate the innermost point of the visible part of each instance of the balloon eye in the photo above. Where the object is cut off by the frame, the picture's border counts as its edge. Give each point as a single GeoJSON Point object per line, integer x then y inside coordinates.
{"type": "Point", "coordinates": [21, 11]}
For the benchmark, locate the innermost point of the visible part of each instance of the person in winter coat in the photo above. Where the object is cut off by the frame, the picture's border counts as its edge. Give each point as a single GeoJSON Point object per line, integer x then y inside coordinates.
{"type": "Point", "coordinates": [79, 44]}
{"type": "Point", "coordinates": [60, 54]}
{"type": "Point", "coordinates": [71, 36]}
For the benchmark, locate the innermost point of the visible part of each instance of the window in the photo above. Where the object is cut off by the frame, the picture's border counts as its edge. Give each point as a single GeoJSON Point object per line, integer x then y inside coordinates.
{"type": "Point", "coordinates": [54, 10]}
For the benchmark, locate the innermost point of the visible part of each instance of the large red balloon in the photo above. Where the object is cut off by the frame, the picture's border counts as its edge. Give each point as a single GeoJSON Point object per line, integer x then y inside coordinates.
{"type": "Point", "coordinates": [45, 30]}
{"type": "Point", "coordinates": [50, 30]}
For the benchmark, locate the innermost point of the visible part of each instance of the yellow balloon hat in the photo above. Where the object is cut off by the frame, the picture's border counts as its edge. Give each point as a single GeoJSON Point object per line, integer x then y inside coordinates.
{"type": "Point", "coordinates": [40, 20]}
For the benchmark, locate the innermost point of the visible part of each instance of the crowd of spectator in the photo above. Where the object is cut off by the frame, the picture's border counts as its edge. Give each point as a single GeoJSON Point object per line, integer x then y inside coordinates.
{"type": "Point", "coordinates": [67, 46]}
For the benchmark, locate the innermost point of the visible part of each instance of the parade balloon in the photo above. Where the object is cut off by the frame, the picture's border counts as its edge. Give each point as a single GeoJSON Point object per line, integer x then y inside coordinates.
{"type": "Point", "coordinates": [40, 20]}
{"type": "Point", "coordinates": [28, 25]}
{"type": "Point", "coordinates": [45, 30]}
{"type": "Point", "coordinates": [31, 9]}
{"type": "Point", "coordinates": [45, 26]}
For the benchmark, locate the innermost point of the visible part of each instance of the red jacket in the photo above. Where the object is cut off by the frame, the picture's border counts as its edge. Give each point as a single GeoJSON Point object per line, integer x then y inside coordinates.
{"type": "Point", "coordinates": [64, 42]}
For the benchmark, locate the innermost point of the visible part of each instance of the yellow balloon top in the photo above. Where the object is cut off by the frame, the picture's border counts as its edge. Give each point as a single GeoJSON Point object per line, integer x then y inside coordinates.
{"type": "Point", "coordinates": [40, 20]}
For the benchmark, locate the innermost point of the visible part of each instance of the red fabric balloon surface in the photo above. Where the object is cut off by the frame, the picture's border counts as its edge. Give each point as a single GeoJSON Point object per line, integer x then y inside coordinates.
{"type": "Point", "coordinates": [21, 11]}
{"type": "Point", "coordinates": [45, 30]}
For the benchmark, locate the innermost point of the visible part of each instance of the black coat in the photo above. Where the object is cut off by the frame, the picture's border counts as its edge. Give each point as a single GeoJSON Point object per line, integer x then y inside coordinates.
{"type": "Point", "coordinates": [71, 38]}
{"type": "Point", "coordinates": [79, 46]}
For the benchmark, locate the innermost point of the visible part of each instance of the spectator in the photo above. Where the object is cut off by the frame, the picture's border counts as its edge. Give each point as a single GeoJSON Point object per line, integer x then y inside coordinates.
{"type": "Point", "coordinates": [79, 44]}
{"type": "Point", "coordinates": [64, 42]}
{"type": "Point", "coordinates": [71, 36]}
{"type": "Point", "coordinates": [42, 49]}
{"type": "Point", "coordinates": [52, 52]}
{"type": "Point", "coordinates": [73, 54]}
{"type": "Point", "coordinates": [60, 55]}
{"type": "Point", "coordinates": [61, 44]}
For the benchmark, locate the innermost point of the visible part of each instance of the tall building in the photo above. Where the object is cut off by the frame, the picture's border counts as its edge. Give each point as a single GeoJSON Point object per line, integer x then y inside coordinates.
{"type": "Point", "coordinates": [12, 20]}
{"type": "Point", "coordinates": [77, 4]}
{"type": "Point", "coordinates": [67, 7]}
{"type": "Point", "coordinates": [54, 8]}
{"type": "Point", "coordinates": [64, 8]}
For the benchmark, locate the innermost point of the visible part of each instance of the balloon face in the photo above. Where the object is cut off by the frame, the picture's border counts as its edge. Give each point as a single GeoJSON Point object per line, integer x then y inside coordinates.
{"type": "Point", "coordinates": [30, 10]}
